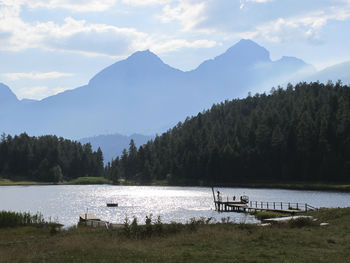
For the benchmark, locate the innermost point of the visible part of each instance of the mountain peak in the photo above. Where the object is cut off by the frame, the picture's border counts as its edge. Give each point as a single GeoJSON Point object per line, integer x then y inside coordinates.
{"type": "Point", "coordinates": [144, 57]}
{"type": "Point", "coordinates": [245, 53]}
{"type": "Point", "coordinates": [139, 65]}
{"type": "Point", "coordinates": [248, 50]}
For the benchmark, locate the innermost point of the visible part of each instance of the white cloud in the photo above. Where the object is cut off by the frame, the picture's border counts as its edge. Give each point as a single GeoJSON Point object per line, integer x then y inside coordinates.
{"type": "Point", "coordinates": [39, 92]}
{"type": "Point", "coordinates": [146, 2]}
{"type": "Point", "coordinates": [307, 27]}
{"type": "Point", "coordinates": [243, 2]}
{"type": "Point", "coordinates": [188, 12]}
{"type": "Point", "coordinates": [36, 76]}
{"type": "Point", "coordinates": [82, 37]}
{"type": "Point", "coordinates": [176, 44]}
{"type": "Point", "coordinates": [73, 5]}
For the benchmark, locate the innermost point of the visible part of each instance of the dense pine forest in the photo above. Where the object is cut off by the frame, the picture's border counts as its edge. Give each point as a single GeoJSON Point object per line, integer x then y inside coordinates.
{"type": "Point", "coordinates": [47, 159]}
{"type": "Point", "coordinates": [297, 134]}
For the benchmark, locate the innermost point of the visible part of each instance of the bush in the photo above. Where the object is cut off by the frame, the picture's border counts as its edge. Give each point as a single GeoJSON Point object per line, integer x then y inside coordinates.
{"type": "Point", "coordinates": [13, 219]}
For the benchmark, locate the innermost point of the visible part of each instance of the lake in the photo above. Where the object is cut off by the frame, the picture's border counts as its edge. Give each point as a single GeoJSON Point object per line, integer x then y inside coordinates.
{"type": "Point", "coordinates": [64, 203]}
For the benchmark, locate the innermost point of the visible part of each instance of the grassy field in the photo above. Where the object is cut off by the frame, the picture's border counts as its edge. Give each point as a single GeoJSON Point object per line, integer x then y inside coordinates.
{"type": "Point", "coordinates": [90, 180]}
{"type": "Point", "coordinates": [6, 182]}
{"type": "Point", "coordinates": [205, 243]}
{"type": "Point", "coordinates": [79, 180]}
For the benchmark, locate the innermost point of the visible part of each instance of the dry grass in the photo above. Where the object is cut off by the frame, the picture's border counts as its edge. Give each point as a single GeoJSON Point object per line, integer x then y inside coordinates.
{"type": "Point", "coordinates": [210, 243]}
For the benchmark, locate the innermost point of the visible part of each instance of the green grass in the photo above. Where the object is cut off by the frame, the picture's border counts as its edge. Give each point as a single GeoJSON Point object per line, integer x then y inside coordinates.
{"type": "Point", "coordinates": [79, 180]}
{"type": "Point", "coordinates": [90, 180]}
{"type": "Point", "coordinates": [14, 219]}
{"type": "Point", "coordinates": [101, 180]}
{"type": "Point", "coordinates": [6, 182]}
{"type": "Point", "coordinates": [268, 214]}
{"type": "Point", "coordinates": [206, 243]}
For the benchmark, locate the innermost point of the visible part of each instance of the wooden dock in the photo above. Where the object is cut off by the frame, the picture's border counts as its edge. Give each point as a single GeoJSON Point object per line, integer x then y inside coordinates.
{"type": "Point", "coordinates": [245, 206]}
{"type": "Point", "coordinates": [255, 206]}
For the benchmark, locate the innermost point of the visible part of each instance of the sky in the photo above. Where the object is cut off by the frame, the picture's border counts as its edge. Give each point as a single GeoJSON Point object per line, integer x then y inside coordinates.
{"type": "Point", "coordinates": [48, 46]}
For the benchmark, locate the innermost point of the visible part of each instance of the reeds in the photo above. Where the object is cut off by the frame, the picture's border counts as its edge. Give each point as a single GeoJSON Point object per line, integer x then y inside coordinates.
{"type": "Point", "coordinates": [13, 219]}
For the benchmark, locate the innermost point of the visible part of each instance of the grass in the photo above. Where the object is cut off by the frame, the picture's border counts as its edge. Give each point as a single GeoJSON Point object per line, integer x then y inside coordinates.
{"type": "Point", "coordinates": [101, 180]}
{"type": "Point", "coordinates": [7, 182]}
{"type": "Point", "coordinates": [14, 219]}
{"type": "Point", "coordinates": [268, 214]}
{"type": "Point", "coordinates": [90, 180]}
{"type": "Point", "coordinates": [79, 180]}
{"type": "Point", "coordinates": [206, 243]}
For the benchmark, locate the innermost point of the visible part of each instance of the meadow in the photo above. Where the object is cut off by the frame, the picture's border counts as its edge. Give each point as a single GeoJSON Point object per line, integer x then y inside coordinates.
{"type": "Point", "coordinates": [197, 241]}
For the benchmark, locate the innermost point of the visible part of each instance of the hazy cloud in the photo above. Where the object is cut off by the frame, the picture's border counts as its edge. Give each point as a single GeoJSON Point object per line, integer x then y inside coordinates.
{"type": "Point", "coordinates": [39, 92]}
{"type": "Point", "coordinates": [73, 5]}
{"type": "Point", "coordinates": [188, 13]}
{"type": "Point", "coordinates": [37, 76]}
{"type": "Point", "coordinates": [243, 2]}
{"type": "Point", "coordinates": [175, 44]}
{"type": "Point", "coordinates": [146, 2]}
{"type": "Point", "coordinates": [301, 28]}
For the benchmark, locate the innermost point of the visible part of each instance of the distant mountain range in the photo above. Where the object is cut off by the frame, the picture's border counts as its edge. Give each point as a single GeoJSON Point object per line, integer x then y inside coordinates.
{"type": "Point", "coordinates": [141, 94]}
{"type": "Point", "coordinates": [112, 145]}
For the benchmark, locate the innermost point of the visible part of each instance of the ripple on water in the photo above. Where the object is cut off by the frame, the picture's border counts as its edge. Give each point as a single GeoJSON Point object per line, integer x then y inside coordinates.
{"type": "Point", "coordinates": [65, 202]}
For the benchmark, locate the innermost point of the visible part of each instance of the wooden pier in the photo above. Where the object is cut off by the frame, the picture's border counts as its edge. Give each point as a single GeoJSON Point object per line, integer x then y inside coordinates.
{"type": "Point", "coordinates": [245, 206]}
{"type": "Point", "coordinates": [255, 206]}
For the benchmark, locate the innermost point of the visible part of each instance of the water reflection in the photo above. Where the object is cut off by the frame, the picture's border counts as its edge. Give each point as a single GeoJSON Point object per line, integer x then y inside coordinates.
{"type": "Point", "coordinates": [179, 204]}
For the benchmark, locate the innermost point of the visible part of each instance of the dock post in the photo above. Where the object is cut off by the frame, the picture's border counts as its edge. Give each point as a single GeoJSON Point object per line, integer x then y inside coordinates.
{"type": "Point", "coordinates": [212, 188]}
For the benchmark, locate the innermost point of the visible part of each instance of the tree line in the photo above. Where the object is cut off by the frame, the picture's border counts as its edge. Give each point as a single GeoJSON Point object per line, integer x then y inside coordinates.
{"type": "Point", "coordinates": [297, 134]}
{"type": "Point", "coordinates": [47, 158]}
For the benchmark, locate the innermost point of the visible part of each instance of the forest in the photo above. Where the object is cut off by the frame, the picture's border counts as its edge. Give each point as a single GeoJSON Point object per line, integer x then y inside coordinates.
{"type": "Point", "coordinates": [47, 159]}
{"type": "Point", "coordinates": [300, 133]}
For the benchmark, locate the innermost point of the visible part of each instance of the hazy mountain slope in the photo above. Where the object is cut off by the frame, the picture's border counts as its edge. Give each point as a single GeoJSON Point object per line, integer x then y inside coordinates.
{"type": "Point", "coordinates": [112, 145]}
{"type": "Point", "coordinates": [334, 73]}
{"type": "Point", "coordinates": [143, 95]}
{"type": "Point", "coordinates": [6, 95]}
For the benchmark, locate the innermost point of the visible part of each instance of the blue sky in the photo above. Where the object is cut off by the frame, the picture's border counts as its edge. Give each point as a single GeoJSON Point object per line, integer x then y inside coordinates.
{"type": "Point", "coordinates": [48, 46]}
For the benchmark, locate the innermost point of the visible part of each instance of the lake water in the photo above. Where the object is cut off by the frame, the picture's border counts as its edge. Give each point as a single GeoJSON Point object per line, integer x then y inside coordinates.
{"type": "Point", "coordinates": [64, 203]}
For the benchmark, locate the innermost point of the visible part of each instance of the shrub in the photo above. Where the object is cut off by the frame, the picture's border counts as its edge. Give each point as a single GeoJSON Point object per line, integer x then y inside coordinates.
{"type": "Point", "coordinates": [13, 219]}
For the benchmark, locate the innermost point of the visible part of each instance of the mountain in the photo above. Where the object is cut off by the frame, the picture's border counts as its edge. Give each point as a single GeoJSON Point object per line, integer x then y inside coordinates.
{"type": "Point", "coordinates": [334, 73]}
{"type": "Point", "coordinates": [142, 94]}
{"type": "Point", "coordinates": [112, 145]}
{"type": "Point", "coordinates": [7, 97]}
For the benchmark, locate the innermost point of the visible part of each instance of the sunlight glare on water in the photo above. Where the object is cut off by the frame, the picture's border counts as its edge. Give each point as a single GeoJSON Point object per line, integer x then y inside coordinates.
{"type": "Point", "coordinates": [64, 203]}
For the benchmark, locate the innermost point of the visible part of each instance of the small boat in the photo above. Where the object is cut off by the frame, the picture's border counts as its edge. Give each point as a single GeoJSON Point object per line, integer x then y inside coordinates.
{"type": "Point", "coordinates": [112, 204]}
{"type": "Point", "coordinates": [88, 217]}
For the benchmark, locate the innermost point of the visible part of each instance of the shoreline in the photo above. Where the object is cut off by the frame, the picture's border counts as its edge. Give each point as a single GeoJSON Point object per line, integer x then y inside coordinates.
{"type": "Point", "coordinates": [285, 186]}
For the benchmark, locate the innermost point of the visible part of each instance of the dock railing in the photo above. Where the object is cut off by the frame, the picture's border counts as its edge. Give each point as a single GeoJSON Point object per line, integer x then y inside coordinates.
{"type": "Point", "coordinates": [281, 206]}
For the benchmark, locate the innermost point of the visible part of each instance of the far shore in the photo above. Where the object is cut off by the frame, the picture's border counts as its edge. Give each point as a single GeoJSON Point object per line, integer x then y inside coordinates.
{"type": "Point", "coordinates": [98, 180]}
